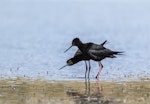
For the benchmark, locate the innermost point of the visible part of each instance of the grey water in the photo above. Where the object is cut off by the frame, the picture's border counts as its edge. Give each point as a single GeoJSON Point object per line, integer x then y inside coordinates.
{"type": "Point", "coordinates": [35, 33]}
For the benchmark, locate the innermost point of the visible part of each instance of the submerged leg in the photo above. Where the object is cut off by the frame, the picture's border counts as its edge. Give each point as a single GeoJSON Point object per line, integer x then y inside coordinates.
{"type": "Point", "coordinates": [89, 69]}
{"type": "Point", "coordinates": [100, 69]}
{"type": "Point", "coordinates": [86, 69]}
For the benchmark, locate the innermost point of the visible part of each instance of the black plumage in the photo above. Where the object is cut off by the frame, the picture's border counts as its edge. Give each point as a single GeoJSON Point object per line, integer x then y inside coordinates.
{"type": "Point", "coordinates": [90, 51]}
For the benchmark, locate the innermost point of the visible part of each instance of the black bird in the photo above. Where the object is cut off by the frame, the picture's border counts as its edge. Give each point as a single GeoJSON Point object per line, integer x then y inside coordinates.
{"type": "Point", "coordinates": [85, 46]}
{"type": "Point", "coordinates": [91, 51]}
{"type": "Point", "coordinates": [102, 55]}
{"type": "Point", "coordinates": [80, 57]}
{"type": "Point", "coordinates": [85, 58]}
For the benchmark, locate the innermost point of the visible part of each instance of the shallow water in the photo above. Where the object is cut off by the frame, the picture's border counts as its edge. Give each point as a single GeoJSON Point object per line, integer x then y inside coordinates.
{"type": "Point", "coordinates": [26, 91]}
{"type": "Point", "coordinates": [34, 35]}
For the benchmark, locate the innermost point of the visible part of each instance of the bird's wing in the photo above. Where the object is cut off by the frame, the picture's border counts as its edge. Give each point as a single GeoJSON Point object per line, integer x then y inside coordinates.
{"type": "Point", "coordinates": [104, 52]}
{"type": "Point", "coordinates": [100, 54]}
{"type": "Point", "coordinates": [96, 47]}
{"type": "Point", "coordinates": [94, 57]}
{"type": "Point", "coordinates": [101, 46]}
{"type": "Point", "coordinates": [104, 43]}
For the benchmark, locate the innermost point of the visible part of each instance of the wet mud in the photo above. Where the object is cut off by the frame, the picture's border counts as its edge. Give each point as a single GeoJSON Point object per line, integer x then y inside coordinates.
{"type": "Point", "coordinates": [26, 91]}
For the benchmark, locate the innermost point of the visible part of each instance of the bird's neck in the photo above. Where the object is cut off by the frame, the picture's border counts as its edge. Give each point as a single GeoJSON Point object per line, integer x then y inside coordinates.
{"type": "Point", "coordinates": [81, 46]}
{"type": "Point", "coordinates": [77, 58]}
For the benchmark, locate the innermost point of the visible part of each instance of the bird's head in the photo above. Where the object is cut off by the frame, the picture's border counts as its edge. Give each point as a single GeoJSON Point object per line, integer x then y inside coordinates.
{"type": "Point", "coordinates": [70, 62]}
{"type": "Point", "coordinates": [75, 42]}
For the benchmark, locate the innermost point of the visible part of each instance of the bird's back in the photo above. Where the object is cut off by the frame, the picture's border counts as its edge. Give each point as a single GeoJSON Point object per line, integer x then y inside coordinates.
{"type": "Point", "coordinates": [93, 46]}
{"type": "Point", "coordinates": [101, 54]}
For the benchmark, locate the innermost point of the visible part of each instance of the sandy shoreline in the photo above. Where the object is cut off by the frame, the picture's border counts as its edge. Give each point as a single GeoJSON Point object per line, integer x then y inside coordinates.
{"type": "Point", "coordinates": [27, 91]}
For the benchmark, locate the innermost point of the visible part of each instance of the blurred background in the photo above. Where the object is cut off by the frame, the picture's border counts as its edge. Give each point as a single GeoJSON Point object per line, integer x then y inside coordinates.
{"type": "Point", "coordinates": [35, 33]}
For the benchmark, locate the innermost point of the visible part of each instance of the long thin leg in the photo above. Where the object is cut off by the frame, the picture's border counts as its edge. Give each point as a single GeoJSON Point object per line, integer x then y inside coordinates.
{"type": "Point", "coordinates": [86, 69]}
{"type": "Point", "coordinates": [100, 69]}
{"type": "Point", "coordinates": [89, 69]}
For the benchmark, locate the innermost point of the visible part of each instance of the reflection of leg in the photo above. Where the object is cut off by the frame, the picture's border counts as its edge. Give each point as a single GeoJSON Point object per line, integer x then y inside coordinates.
{"type": "Point", "coordinates": [101, 67]}
{"type": "Point", "coordinates": [89, 69]}
{"type": "Point", "coordinates": [99, 86]}
{"type": "Point", "coordinates": [86, 86]}
{"type": "Point", "coordinates": [89, 87]}
{"type": "Point", "coordinates": [86, 69]}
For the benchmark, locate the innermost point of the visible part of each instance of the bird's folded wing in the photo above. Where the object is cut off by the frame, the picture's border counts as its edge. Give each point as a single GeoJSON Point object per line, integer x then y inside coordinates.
{"type": "Point", "coordinates": [97, 47]}
{"type": "Point", "coordinates": [98, 54]}
{"type": "Point", "coordinates": [101, 52]}
{"type": "Point", "coordinates": [94, 57]}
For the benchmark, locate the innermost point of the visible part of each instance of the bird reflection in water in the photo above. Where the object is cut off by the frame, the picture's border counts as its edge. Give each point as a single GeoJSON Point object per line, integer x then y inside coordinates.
{"type": "Point", "coordinates": [88, 87]}
{"type": "Point", "coordinates": [92, 95]}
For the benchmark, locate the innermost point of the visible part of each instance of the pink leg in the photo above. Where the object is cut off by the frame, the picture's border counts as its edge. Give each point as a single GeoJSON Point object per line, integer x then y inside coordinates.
{"type": "Point", "coordinates": [101, 67]}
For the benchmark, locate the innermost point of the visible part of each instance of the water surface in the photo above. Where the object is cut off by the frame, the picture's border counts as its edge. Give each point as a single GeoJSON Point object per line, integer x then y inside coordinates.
{"type": "Point", "coordinates": [34, 35]}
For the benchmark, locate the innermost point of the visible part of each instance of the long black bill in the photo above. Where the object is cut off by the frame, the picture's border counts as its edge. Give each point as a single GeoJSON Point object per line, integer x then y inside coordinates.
{"type": "Point", "coordinates": [63, 67]}
{"type": "Point", "coordinates": [67, 49]}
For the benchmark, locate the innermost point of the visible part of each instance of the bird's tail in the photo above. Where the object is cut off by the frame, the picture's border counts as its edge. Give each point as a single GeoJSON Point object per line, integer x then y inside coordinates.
{"type": "Point", "coordinates": [104, 42]}
{"type": "Point", "coordinates": [118, 53]}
